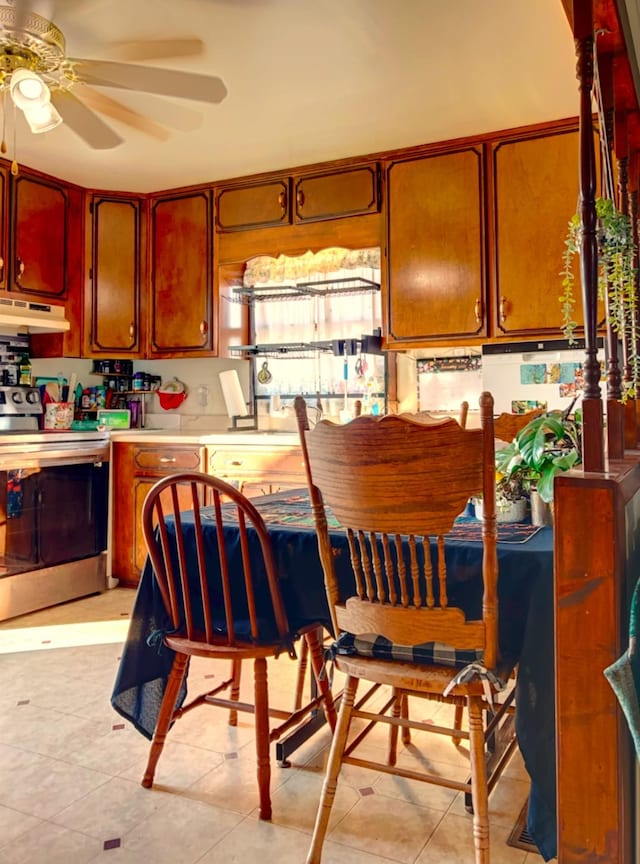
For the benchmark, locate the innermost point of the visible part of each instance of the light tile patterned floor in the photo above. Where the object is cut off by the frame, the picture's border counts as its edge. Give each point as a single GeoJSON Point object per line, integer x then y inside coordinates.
{"type": "Point", "coordinates": [70, 771]}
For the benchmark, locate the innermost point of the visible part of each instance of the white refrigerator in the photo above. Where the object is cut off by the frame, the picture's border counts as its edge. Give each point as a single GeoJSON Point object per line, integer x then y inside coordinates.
{"type": "Point", "coordinates": [545, 373]}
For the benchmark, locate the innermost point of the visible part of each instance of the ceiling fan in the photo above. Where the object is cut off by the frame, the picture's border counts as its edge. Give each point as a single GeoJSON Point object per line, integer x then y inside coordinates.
{"type": "Point", "coordinates": [51, 88]}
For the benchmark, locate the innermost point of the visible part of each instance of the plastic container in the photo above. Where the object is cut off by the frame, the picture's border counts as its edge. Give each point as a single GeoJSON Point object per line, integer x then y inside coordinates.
{"type": "Point", "coordinates": [58, 415]}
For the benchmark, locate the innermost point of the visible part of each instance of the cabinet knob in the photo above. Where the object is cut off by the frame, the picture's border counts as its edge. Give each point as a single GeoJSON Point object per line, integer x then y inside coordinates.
{"type": "Point", "coordinates": [477, 311]}
{"type": "Point", "coordinates": [503, 309]}
{"type": "Point", "coordinates": [132, 330]}
{"type": "Point", "coordinates": [204, 329]}
{"type": "Point", "coordinates": [300, 198]}
{"type": "Point", "coordinates": [1, 267]}
{"type": "Point", "coordinates": [20, 267]}
{"type": "Point", "coordinates": [282, 200]}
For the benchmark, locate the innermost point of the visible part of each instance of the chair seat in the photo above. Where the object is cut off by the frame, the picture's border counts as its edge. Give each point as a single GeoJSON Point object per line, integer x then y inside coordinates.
{"type": "Point", "coordinates": [417, 677]}
{"type": "Point", "coordinates": [239, 651]}
{"type": "Point", "coordinates": [431, 653]}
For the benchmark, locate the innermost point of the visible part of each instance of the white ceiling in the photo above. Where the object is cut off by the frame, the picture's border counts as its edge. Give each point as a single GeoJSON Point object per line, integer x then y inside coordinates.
{"type": "Point", "coordinates": [310, 80]}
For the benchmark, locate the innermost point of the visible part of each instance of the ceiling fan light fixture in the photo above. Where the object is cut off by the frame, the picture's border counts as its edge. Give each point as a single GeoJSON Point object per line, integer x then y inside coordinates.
{"type": "Point", "coordinates": [28, 90]}
{"type": "Point", "coordinates": [42, 118]}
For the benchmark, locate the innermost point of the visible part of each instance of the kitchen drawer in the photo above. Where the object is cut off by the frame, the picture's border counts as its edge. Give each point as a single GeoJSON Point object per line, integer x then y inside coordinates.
{"type": "Point", "coordinates": [168, 459]}
{"type": "Point", "coordinates": [258, 463]}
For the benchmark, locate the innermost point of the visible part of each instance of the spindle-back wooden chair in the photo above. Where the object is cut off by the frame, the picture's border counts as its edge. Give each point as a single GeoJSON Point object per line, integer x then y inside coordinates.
{"type": "Point", "coordinates": [392, 483]}
{"type": "Point", "coordinates": [223, 601]}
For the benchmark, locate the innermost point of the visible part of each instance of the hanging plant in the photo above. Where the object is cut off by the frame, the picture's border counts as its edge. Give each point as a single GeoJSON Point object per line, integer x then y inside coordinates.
{"type": "Point", "coordinates": [616, 278]}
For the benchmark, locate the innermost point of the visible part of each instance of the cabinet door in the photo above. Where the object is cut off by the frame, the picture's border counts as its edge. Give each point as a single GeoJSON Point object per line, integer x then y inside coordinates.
{"type": "Point", "coordinates": [39, 254]}
{"type": "Point", "coordinates": [181, 302]}
{"type": "Point", "coordinates": [256, 206]}
{"type": "Point", "coordinates": [435, 235]}
{"type": "Point", "coordinates": [535, 193]}
{"type": "Point", "coordinates": [351, 192]}
{"type": "Point", "coordinates": [113, 298]}
{"type": "Point", "coordinates": [135, 470]}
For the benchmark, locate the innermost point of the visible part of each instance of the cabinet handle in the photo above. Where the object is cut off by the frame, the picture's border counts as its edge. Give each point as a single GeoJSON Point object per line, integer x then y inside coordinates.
{"type": "Point", "coordinates": [1, 267]}
{"type": "Point", "coordinates": [204, 329]}
{"type": "Point", "coordinates": [132, 330]}
{"type": "Point", "coordinates": [167, 459]}
{"type": "Point", "coordinates": [20, 263]}
{"type": "Point", "coordinates": [300, 198]}
{"type": "Point", "coordinates": [477, 311]}
{"type": "Point", "coordinates": [503, 309]}
{"type": "Point", "coordinates": [282, 200]}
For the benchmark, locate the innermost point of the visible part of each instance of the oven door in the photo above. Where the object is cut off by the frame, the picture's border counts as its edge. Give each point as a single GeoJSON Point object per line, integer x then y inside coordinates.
{"type": "Point", "coordinates": [52, 514]}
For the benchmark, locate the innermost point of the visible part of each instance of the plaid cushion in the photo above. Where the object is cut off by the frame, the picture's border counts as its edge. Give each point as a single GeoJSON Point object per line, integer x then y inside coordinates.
{"type": "Point", "coordinates": [373, 645]}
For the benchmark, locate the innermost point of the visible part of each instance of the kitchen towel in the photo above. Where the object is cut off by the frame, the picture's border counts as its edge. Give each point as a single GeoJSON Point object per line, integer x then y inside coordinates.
{"type": "Point", "coordinates": [232, 392]}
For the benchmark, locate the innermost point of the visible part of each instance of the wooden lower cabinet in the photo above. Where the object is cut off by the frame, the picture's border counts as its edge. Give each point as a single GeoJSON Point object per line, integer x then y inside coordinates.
{"type": "Point", "coordinates": [136, 467]}
{"type": "Point", "coordinates": [258, 470]}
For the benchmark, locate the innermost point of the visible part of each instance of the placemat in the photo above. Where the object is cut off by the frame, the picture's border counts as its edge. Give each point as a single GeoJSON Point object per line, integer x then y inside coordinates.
{"type": "Point", "coordinates": [295, 511]}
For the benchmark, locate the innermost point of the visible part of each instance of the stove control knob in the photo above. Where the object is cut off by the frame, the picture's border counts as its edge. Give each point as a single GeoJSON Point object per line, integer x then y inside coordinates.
{"type": "Point", "coordinates": [33, 397]}
{"type": "Point", "coordinates": [16, 397]}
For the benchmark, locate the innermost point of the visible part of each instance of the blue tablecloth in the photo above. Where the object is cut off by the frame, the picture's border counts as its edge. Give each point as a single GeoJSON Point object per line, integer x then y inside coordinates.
{"type": "Point", "coordinates": [525, 591]}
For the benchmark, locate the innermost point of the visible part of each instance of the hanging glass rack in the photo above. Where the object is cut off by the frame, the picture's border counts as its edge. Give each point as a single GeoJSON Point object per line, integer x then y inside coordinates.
{"type": "Point", "coordinates": [319, 288]}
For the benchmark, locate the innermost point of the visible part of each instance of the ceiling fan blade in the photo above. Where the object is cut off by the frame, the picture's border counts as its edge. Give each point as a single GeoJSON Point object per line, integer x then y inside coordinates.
{"type": "Point", "coordinates": [149, 79]}
{"type": "Point", "coordinates": [112, 108]}
{"type": "Point", "coordinates": [84, 122]}
{"type": "Point", "coordinates": [155, 49]}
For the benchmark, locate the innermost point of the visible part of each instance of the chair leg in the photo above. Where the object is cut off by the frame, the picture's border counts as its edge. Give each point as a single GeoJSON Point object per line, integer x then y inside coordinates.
{"type": "Point", "coordinates": [396, 712]}
{"type": "Point", "coordinates": [313, 642]}
{"type": "Point", "coordinates": [236, 669]}
{"type": "Point", "coordinates": [479, 791]}
{"type": "Point", "coordinates": [262, 735]}
{"type": "Point", "coordinates": [302, 672]}
{"type": "Point", "coordinates": [165, 715]}
{"type": "Point", "coordinates": [328, 794]}
{"type": "Point", "coordinates": [404, 713]}
{"type": "Point", "coordinates": [457, 723]}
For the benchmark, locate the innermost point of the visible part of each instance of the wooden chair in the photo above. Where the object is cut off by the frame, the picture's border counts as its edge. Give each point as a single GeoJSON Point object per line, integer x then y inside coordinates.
{"type": "Point", "coordinates": [223, 601]}
{"type": "Point", "coordinates": [507, 426]}
{"type": "Point", "coordinates": [392, 483]}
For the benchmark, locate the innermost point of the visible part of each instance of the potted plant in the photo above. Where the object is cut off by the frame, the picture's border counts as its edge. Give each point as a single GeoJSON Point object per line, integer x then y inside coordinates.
{"type": "Point", "coordinates": [548, 444]}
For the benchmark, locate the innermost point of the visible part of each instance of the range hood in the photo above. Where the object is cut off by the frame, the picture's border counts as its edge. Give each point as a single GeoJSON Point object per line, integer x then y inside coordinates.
{"type": "Point", "coordinates": [31, 316]}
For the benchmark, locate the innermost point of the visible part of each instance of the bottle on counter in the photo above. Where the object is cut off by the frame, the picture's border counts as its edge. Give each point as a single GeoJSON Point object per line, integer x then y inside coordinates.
{"type": "Point", "coordinates": [25, 370]}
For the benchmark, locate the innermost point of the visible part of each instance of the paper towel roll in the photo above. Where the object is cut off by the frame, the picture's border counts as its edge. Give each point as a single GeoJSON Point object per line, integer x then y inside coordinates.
{"type": "Point", "coordinates": [232, 392]}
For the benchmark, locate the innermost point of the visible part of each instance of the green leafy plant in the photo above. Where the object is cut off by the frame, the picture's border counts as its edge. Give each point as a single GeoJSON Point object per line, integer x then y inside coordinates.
{"type": "Point", "coordinates": [548, 444]}
{"type": "Point", "coordinates": [616, 279]}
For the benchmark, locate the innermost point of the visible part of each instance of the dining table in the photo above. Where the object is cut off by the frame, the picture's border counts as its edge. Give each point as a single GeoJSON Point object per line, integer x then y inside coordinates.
{"type": "Point", "coordinates": [525, 609]}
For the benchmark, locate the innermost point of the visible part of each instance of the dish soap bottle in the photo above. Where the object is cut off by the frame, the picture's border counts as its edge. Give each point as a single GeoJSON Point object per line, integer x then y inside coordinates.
{"type": "Point", "coordinates": [25, 370]}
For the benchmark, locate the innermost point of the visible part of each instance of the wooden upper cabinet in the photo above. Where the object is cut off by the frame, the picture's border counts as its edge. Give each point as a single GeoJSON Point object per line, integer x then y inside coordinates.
{"type": "Point", "coordinates": [39, 236]}
{"type": "Point", "coordinates": [351, 192]}
{"type": "Point", "coordinates": [535, 193]}
{"type": "Point", "coordinates": [113, 312]}
{"type": "Point", "coordinates": [181, 298]}
{"type": "Point", "coordinates": [258, 205]}
{"type": "Point", "coordinates": [435, 248]}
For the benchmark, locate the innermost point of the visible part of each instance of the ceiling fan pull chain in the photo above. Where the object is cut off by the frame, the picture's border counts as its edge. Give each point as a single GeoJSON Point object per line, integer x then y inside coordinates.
{"type": "Point", "coordinates": [14, 163]}
{"type": "Point", "coordinates": [3, 145]}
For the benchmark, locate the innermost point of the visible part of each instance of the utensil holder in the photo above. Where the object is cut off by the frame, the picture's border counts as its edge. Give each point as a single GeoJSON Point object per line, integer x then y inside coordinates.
{"type": "Point", "coordinates": [58, 415]}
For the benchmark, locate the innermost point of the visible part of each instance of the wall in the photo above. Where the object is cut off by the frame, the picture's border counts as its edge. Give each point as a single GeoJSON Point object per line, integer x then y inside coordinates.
{"type": "Point", "coordinates": [195, 373]}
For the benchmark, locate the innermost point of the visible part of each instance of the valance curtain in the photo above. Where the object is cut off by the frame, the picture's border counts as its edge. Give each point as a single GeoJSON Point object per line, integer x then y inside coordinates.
{"type": "Point", "coordinates": [306, 318]}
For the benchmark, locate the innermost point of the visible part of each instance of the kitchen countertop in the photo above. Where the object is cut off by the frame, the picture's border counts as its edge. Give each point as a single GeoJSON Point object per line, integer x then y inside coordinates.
{"type": "Point", "coordinates": [255, 438]}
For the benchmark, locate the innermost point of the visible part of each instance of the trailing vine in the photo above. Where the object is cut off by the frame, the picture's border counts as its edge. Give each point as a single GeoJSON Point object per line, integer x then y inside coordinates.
{"type": "Point", "coordinates": [616, 279]}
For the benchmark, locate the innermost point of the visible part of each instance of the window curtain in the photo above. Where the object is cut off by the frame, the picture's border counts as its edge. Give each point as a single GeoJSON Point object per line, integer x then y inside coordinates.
{"type": "Point", "coordinates": [292, 317]}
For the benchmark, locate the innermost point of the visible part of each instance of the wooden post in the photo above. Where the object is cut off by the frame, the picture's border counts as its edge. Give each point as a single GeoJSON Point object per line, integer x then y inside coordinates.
{"type": "Point", "coordinates": [615, 409]}
{"type": "Point", "coordinates": [592, 430]}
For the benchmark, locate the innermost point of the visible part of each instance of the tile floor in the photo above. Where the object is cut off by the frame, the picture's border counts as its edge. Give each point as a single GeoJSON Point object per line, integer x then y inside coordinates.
{"type": "Point", "coordinates": [70, 771]}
